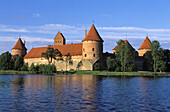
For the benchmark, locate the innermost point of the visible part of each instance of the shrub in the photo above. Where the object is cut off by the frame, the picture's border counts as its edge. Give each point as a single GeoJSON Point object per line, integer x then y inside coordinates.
{"type": "Point", "coordinates": [24, 68]}
{"type": "Point", "coordinates": [97, 66]}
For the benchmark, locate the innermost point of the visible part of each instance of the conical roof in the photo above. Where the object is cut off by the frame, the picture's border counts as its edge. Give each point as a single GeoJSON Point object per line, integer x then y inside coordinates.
{"type": "Point", "coordinates": [19, 45]}
{"type": "Point", "coordinates": [146, 44]}
{"type": "Point", "coordinates": [93, 35]}
{"type": "Point", "coordinates": [59, 35]}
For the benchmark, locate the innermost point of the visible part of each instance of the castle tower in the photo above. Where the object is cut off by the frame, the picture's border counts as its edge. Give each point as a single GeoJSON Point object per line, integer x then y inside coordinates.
{"type": "Point", "coordinates": [145, 47]}
{"type": "Point", "coordinates": [19, 48]}
{"type": "Point", "coordinates": [92, 44]}
{"type": "Point", "coordinates": [59, 39]}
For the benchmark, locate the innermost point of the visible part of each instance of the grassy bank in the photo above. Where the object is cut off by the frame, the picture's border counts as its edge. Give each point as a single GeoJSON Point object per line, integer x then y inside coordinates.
{"type": "Point", "coordinates": [88, 72]}
{"type": "Point", "coordinates": [84, 72]}
{"type": "Point", "coordinates": [15, 72]}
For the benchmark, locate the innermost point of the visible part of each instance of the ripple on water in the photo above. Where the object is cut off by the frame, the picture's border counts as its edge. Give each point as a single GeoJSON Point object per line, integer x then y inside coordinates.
{"type": "Point", "coordinates": [83, 93]}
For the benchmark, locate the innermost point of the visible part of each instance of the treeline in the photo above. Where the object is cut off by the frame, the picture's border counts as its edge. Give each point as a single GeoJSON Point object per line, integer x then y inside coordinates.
{"type": "Point", "coordinates": [9, 62]}
{"type": "Point", "coordinates": [155, 60]}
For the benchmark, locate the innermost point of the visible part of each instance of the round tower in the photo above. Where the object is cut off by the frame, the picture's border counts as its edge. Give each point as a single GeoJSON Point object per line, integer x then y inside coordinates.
{"type": "Point", "coordinates": [19, 48]}
{"type": "Point", "coordinates": [92, 45]}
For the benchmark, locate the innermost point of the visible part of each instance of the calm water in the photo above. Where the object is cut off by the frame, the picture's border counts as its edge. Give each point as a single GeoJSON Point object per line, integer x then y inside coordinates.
{"type": "Point", "coordinates": [83, 93]}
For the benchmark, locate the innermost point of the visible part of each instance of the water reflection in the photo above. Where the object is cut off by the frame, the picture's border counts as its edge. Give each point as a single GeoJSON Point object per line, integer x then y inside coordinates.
{"type": "Point", "coordinates": [83, 93]}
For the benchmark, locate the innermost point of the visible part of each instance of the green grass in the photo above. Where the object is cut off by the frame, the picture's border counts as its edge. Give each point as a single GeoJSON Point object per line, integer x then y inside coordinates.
{"type": "Point", "coordinates": [89, 72]}
{"type": "Point", "coordinates": [86, 72]}
{"type": "Point", "coordinates": [15, 72]}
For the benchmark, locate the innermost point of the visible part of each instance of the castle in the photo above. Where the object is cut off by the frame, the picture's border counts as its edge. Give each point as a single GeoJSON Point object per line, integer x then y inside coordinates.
{"type": "Point", "coordinates": [78, 56]}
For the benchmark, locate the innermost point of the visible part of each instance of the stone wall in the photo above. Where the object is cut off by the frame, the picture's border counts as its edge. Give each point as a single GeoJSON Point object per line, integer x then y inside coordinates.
{"type": "Point", "coordinates": [75, 62]}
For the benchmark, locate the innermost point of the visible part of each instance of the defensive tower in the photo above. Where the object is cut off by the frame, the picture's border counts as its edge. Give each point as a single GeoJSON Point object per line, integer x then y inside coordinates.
{"type": "Point", "coordinates": [92, 44]}
{"type": "Point", "coordinates": [19, 48]}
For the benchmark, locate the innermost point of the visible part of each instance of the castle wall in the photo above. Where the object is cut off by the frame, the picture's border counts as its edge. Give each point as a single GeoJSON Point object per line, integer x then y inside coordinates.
{"type": "Point", "coordinates": [92, 49]}
{"type": "Point", "coordinates": [75, 62]}
{"type": "Point", "coordinates": [18, 52]}
{"type": "Point", "coordinates": [143, 51]}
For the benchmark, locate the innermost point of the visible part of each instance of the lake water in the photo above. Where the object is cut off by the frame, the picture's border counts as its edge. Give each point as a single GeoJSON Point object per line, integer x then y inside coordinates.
{"type": "Point", "coordinates": [83, 93]}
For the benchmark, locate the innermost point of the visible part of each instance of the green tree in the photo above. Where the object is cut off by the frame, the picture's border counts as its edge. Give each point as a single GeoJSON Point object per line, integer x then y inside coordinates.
{"type": "Point", "coordinates": [111, 64]}
{"type": "Point", "coordinates": [32, 68]}
{"type": "Point", "coordinates": [6, 61]}
{"type": "Point", "coordinates": [155, 51]}
{"type": "Point", "coordinates": [18, 63]}
{"type": "Point", "coordinates": [24, 67]}
{"type": "Point", "coordinates": [161, 60]}
{"type": "Point", "coordinates": [125, 56]}
{"type": "Point", "coordinates": [51, 53]}
{"type": "Point", "coordinates": [97, 66]}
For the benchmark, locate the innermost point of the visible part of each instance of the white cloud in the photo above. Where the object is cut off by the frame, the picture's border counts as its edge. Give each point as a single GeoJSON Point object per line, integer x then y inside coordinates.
{"type": "Point", "coordinates": [44, 34]}
{"type": "Point", "coordinates": [36, 15]}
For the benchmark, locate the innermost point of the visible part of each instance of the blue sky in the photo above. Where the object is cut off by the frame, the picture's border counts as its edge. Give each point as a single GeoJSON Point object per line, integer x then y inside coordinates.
{"type": "Point", "coordinates": [38, 21]}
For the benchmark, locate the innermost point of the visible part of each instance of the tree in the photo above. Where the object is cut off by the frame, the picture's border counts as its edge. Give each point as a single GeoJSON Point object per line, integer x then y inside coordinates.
{"type": "Point", "coordinates": [24, 67]}
{"type": "Point", "coordinates": [5, 61]}
{"type": "Point", "coordinates": [125, 56]}
{"type": "Point", "coordinates": [51, 53]}
{"type": "Point", "coordinates": [161, 60]}
{"type": "Point", "coordinates": [158, 57]}
{"type": "Point", "coordinates": [111, 64]}
{"type": "Point", "coordinates": [18, 63]}
{"type": "Point", "coordinates": [97, 66]}
{"type": "Point", "coordinates": [32, 68]}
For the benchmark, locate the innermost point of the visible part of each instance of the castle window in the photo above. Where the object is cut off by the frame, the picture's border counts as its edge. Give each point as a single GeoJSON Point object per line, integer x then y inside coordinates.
{"type": "Point", "coordinates": [93, 55]}
{"type": "Point", "coordinates": [85, 55]}
{"type": "Point", "coordinates": [83, 49]}
{"type": "Point", "coordinates": [92, 49]}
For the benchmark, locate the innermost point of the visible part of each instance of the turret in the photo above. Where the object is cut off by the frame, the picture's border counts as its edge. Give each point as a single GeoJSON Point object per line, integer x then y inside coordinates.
{"type": "Point", "coordinates": [19, 48]}
{"type": "Point", "coordinates": [59, 39]}
{"type": "Point", "coordinates": [145, 47]}
{"type": "Point", "coordinates": [92, 44]}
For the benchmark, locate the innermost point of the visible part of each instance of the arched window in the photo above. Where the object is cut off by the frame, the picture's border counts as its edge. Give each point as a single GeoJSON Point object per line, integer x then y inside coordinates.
{"type": "Point", "coordinates": [92, 49]}
{"type": "Point", "coordinates": [93, 55]}
{"type": "Point", "coordinates": [85, 55]}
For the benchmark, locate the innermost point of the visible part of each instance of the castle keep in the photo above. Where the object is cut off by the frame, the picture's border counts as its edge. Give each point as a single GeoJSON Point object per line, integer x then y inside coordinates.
{"type": "Point", "coordinates": [78, 56]}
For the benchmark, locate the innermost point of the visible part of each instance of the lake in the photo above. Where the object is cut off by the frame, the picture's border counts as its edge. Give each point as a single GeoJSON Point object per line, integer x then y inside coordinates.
{"type": "Point", "coordinates": [83, 93]}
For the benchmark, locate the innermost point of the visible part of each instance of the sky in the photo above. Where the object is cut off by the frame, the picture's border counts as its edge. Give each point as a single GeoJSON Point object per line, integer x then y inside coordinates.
{"type": "Point", "coordinates": [38, 21]}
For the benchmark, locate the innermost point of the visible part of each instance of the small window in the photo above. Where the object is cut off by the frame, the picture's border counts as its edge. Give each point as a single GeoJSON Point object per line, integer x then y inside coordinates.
{"type": "Point", "coordinates": [93, 55]}
{"type": "Point", "coordinates": [92, 49]}
{"type": "Point", "coordinates": [85, 55]}
{"type": "Point", "coordinates": [83, 49]}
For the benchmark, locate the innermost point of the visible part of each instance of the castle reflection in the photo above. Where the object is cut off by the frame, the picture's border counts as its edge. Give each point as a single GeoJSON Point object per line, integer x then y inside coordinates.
{"type": "Point", "coordinates": [77, 92]}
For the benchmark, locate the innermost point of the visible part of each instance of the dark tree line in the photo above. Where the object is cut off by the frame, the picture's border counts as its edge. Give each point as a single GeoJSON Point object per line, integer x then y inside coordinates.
{"type": "Point", "coordinates": [9, 62]}
{"type": "Point", "coordinates": [157, 59]}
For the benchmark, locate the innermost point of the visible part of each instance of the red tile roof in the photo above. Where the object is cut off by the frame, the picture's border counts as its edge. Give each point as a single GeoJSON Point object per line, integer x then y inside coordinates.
{"type": "Point", "coordinates": [73, 49]}
{"type": "Point", "coordinates": [146, 44]}
{"type": "Point", "coordinates": [93, 35]}
{"type": "Point", "coordinates": [19, 45]}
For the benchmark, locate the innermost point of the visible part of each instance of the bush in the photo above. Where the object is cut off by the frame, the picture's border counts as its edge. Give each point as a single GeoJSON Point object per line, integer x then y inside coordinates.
{"type": "Point", "coordinates": [32, 68]}
{"type": "Point", "coordinates": [46, 69]}
{"type": "Point", "coordinates": [97, 66]}
{"type": "Point", "coordinates": [24, 68]}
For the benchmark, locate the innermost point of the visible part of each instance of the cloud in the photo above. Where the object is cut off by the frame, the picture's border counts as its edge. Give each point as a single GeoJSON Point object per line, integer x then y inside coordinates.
{"type": "Point", "coordinates": [43, 35]}
{"type": "Point", "coordinates": [36, 15]}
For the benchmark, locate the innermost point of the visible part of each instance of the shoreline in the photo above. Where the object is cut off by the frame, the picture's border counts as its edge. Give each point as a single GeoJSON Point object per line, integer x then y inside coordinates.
{"type": "Point", "coordinates": [87, 72]}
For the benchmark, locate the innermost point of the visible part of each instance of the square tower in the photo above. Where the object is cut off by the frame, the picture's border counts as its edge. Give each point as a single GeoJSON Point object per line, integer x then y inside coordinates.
{"type": "Point", "coordinates": [59, 39]}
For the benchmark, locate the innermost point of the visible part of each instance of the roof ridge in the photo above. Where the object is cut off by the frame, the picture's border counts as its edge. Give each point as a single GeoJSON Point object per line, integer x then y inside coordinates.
{"type": "Point", "coordinates": [19, 44]}
{"type": "Point", "coordinates": [93, 34]}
